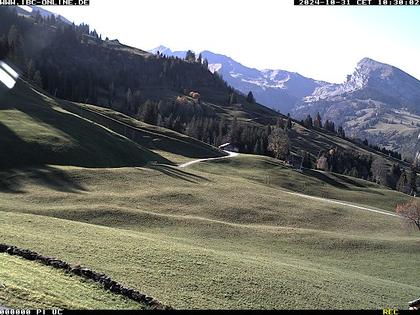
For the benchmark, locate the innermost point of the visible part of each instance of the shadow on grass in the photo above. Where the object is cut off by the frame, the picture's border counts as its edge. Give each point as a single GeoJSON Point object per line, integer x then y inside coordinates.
{"type": "Point", "coordinates": [351, 181]}
{"type": "Point", "coordinates": [325, 178]}
{"type": "Point", "coordinates": [177, 173]}
{"type": "Point", "coordinates": [13, 180]}
{"type": "Point", "coordinates": [273, 163]}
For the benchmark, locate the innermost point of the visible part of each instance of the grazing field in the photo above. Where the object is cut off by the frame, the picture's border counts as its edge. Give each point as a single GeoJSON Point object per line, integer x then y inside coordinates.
{"type": "Point", "coordinates": [29, 284]}
{"type": "Point", "coordinates": [311, 182]}
{"type": "Point", "coordinates": [220, 234]}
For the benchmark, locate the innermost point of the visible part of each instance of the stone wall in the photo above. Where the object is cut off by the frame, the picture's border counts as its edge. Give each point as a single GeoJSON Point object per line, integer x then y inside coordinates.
{"type": "Point", "coordinates": [105, 281]}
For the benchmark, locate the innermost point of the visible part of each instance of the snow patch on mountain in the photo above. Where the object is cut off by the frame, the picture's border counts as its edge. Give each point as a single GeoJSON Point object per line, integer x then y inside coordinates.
{"type": "Point", "coordinates": [215, 67]}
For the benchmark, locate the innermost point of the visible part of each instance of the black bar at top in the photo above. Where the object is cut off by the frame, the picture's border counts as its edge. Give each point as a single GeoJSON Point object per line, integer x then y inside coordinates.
{"type": "Point", "coordinates": [357, 2]}
{"type": "Point", "coordinates": [44, 2]}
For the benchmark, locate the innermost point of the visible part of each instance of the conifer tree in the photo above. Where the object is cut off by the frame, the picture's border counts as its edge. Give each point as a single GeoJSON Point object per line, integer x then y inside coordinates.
{"type": "Point", "coordinates": [340, 132]}
{"type": "Point", "coordinates": [250, 98]}
{"type": "Point", "coordinates": [308, 122]}
{"type": "Point", "coordinates": [38, 79]}
{"type": "Point", "coordinates": [317, 121]}
{"type": "Point", "coordinates": [288, 125]}
{"type": "Point", "coordinates": [413, 181]}
{"type": "Point", "coordinates": [190, 56]}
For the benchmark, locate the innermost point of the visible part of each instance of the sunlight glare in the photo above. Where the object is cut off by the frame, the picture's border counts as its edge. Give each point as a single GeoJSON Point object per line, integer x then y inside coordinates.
{"type": "Point", "coordinates": [8, 76]}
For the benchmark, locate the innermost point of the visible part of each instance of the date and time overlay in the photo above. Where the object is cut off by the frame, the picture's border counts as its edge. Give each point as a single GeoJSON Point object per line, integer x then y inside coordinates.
{"type": "Point", "coordinates": [296, 2]}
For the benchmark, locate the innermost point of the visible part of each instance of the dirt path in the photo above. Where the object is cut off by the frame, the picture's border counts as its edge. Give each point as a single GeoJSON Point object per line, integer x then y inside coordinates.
{"type": "Point", "coordinates": [231, 154]}
{"type": "Point", "coordinates": [341, 203]}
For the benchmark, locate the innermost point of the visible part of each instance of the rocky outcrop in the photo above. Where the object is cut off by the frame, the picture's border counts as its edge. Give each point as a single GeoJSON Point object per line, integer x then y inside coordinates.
{"type": "Point", "coordinates": [105, 281]}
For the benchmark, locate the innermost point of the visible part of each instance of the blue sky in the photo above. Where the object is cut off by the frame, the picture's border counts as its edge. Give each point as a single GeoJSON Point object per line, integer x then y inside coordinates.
{"type": "Point", "coordinates": [324, 43]}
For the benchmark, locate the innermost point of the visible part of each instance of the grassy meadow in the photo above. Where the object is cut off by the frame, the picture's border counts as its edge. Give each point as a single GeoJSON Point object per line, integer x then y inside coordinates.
{"type": "Point", "coordinates": [216, 235]}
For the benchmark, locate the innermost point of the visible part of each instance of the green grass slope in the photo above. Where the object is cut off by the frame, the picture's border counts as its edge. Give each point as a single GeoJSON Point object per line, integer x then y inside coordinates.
{"type": "Point", "coordinates": [274, 173]}
{"type": "Point", "coordinates": [36, 131]}
{"type": "Point", "coordinates": [27, 284]}
{"type": "Point", "coordinates": [218, 235]}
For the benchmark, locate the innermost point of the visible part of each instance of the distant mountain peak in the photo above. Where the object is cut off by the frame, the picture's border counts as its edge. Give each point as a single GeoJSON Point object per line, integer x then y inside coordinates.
{"type": "Point", "coordinates": [370, 64]}
{"type": "Point", "coordinates": [161, 49]}
{"type": "Point", "coordinates": [367, 60]}
{"type": "Point", "coordinates": [378, 102]}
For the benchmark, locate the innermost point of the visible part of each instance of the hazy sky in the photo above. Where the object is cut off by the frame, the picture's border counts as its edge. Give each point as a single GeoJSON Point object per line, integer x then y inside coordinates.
{"type": "Point", "coordinates": [320, 42]}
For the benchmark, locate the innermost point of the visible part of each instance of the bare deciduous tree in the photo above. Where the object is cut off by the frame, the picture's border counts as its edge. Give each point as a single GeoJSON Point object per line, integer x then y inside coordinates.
{"type": "Point", "coordinates": [411, 212]}
{"type": "Point", "coordinates": [278, 142]}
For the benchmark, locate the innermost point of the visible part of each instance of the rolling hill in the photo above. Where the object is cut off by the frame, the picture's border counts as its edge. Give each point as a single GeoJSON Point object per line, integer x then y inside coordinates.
{"type": "Point", "coordinates": [223, 234]}
{"type": "Point", "coordinates": [53, 131]}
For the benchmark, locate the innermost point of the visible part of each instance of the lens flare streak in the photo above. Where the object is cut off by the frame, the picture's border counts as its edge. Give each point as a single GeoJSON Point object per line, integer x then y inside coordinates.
{"type": "Point", "coordinates": [8, 76]}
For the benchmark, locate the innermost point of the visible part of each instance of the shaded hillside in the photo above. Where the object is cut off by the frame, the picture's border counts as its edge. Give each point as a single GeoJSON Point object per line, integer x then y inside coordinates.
{"type": "Point", "coordinates": [39, 129]}
{"type": "Point", "coordinates": [75, 63]}
{"type": "Point", "coordinates": [35, 130]}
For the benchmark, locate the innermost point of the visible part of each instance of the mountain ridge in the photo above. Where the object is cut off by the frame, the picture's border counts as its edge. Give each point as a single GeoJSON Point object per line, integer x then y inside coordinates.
{"type": "Point", "coordinates": [378, 102]}
{"type": "Point", "coordinates": [275, 88]}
